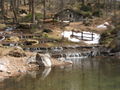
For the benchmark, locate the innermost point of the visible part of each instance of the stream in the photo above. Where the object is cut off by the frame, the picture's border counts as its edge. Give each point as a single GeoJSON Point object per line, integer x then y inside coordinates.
{"type": "Point", "coordinates": [85, 74]}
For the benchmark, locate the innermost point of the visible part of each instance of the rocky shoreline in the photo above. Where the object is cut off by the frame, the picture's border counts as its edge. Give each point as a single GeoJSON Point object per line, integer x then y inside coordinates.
{"type": "Point", "coordinates": [14, 61]}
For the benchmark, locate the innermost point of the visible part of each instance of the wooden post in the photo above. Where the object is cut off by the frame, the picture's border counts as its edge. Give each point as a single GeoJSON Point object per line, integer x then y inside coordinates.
{"type": "Point", "coordinates": [72, 32]}
{"type": "Point", "coordinates": [92, 36]}
{"type": "Point", "coordinates": [81, 35]}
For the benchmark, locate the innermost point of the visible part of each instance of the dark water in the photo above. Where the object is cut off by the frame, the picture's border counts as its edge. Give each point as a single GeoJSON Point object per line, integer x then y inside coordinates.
{"type": "Point", "coordinates": [90, 74]}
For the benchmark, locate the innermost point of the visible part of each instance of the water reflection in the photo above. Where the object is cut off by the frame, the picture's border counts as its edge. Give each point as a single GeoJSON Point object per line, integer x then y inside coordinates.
{"type": "Point", "coordinates": [87, 74]}
{"type": "Point", "coordinates": [45, 73]}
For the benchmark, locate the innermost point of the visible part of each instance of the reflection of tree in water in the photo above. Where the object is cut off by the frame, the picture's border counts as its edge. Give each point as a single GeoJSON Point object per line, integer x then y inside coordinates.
{"type": "Point", "coordinates": [83, 74]}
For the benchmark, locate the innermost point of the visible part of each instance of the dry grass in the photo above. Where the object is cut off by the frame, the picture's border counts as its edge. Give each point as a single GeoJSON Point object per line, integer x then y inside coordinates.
{"type": "Point", "coordinates": [2, 26]}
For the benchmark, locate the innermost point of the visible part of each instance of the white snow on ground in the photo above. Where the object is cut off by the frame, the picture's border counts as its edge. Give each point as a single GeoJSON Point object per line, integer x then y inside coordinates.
{"type": "Point", "coordinates": [66, 21]}
{"type": "Point", "coordinates": [10, 29]}
{"type": "Point", "coordinates": [67, 34]}
{"type": "Point", "coordinates": [2, 38]}
{"type": "Point", "coordinates": [103, 26]}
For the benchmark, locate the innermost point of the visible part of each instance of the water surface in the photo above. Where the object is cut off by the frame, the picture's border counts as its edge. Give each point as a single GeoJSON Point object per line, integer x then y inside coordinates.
{"type": "Point", "coordinates": [87, 74]}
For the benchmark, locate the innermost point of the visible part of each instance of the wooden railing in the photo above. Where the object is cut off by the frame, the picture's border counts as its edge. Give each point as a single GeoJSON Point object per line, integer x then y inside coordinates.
{"type": "Point", "coordinates": [84, 36]}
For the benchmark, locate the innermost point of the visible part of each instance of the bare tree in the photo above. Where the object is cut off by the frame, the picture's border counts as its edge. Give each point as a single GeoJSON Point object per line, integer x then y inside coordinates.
{"type": "Point", "coordinates": [30, 6]}
{"type": "Point", "coordinates": [33, 11]}
{"type": "Point", "coordinates": [3, 8]}
{"type": "Point", "coordinates": [15, 20]}
{"type": "Point", "coordinates": [83, 2]}
{"type": "Point", "coordinates": [44, 11]}
{"type": "Point", "coordinates": [114, 4]}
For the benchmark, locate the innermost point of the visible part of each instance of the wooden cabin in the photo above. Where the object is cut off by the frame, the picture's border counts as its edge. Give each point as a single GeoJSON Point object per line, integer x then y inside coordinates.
{"type": "Point", "coordinates": [68, 15]}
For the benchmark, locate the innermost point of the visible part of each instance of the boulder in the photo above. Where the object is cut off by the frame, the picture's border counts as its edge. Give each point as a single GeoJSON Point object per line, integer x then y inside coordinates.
{"type": "Point", "coordinates": [43, 60]}
{"type": "Point", "coordinates": [18, 48]}
{"type": "Point", "coordinates": [22, 11]}
{"type": "Point", "coordinates": [13, 39]}
{"type": "Point", "coordinates": [31, 42]}
{"type": "Point", "coordinates": [24, 26]}
{"type": "Point", "coordinates": [17, 53]}
{"type": "Point", "coordinates": [7, 29]}
{"type": "Point", "coordinates": [31, 59]}
{"type": "Point", "coordinates": [47, 31]}
{"type": "Point", "coordinates": [3, 65]}
{"type": "Point", "coordinates": [2, 38]}
{"type": "Point", "coordinates": [3, 68]}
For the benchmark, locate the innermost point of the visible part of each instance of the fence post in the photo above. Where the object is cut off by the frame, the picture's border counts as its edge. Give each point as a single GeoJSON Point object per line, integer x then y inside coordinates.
{"type": "Point", "coordinates": [81, 35]}
{"type": "Point", "coordinates": [92, 36]}
{"type": "Point", "coordinates": [72, 33]}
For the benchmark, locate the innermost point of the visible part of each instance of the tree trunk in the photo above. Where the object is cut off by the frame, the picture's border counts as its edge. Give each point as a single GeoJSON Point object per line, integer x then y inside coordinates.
{"type": "Point", "coordinates": [14, 11]}
{"type": "Point", "coordinates": [83, 2]}
{"type": "Point", "coordinates": [114, 4]}
{"type": "Point", "coordinates": [3, 9]}
{"type": "Point", "coordinates": [33, 11]}
{"type": "Point", "coordinates": [30, 6]}
{"type": "Point", "coordinates": [44, 14]}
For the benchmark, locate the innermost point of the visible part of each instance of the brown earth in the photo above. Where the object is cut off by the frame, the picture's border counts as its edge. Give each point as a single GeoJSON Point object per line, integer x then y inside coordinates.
{"type": "Point", "coordinates": [14, 66]}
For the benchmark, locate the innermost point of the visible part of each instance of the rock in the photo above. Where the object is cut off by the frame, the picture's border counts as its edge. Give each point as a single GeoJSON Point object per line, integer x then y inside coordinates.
{"type": "Point", "coordinates": [1, 45]}
{"type": "Point", "coordinates": [22, 11]}
{"type": "Point", "coordinates": [3, 68]}
{"type": "Point", "coordinates": [31, 59]}
{"type": "Point", "coordinates": [10, 29]}
{"type": "Point", "coordinates": [13, 39]}
{"type": "Point", "coordinates": [18, 47]}
{"type": "Point", "coordinates": [24, 26]}
{"type": "Point", "coordinates": [43, 60]}
{"type": "Point", "coordinates": [2, 38]}
{"type": "Point", "coordinates": [69, 62]}
{"type": "Point", "coordinates": [47, 31]}
{"type": "Point", "coordinates": [31, 42]}
{"type": "Point", "coordinates": [23, 15]}
{"type": "Point", "coordinates": [3, 65]}
{"type": "Point", "coordinates": [117, 54]}
{"type": "Point", "coordinates": [17, 53]}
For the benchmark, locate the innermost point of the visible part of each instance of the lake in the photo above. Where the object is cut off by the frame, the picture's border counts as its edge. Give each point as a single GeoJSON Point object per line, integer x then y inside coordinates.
{"type": "Point", "coordinates": [85, 74]}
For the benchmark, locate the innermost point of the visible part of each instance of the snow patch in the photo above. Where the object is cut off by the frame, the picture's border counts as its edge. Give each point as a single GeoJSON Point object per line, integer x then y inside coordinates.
{"type": "Point", "coordinates": [10, 29]}
{"type": "Point", "coordinates": [103, 26]}
{"type": "Point", "coordinates": [87, 36]}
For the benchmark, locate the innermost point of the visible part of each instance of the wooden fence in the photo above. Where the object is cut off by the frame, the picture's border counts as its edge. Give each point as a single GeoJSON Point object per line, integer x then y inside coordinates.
{"type": "Point", "coordinates": [84, 36]}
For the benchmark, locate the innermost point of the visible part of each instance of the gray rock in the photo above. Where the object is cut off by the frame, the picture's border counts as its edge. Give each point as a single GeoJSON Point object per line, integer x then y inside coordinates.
{"type": "Point", "coordinates": [3, 65]}
{"type": "Point", "coordinates": [3, 68]}
{"type": "Point", "coordinates": [44, 60]}
{"type": "Point", "coordinates": [31, 59]}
